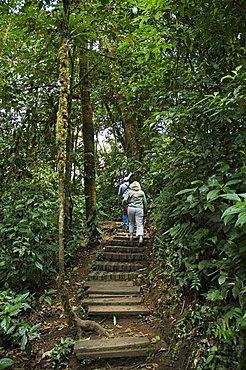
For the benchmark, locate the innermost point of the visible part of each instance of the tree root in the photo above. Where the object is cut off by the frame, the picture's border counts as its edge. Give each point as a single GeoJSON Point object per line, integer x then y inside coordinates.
{"type": "Point", "coordinates": [90, 325]}
{"type": "Point", "coordinates": [72, 317]}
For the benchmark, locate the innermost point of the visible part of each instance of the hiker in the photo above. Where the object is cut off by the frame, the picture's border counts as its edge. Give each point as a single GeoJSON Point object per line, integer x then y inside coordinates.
{"type": "Point", "coordinates": [137, 209]}
{"type": "Point", "coordinates": [123, 190]}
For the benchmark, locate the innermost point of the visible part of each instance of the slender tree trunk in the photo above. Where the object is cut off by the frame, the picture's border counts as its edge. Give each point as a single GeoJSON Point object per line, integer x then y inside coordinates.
{"type": "Point", "coordinates": [89, 148]}
{"type": "Point", "coordinates": [69, 149]}
{"type": "Point", "coordinates": [61, 140]}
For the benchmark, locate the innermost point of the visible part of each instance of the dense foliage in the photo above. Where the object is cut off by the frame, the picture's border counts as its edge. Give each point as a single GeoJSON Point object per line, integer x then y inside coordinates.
{"type": "Point", "coordinates": [173, 72]}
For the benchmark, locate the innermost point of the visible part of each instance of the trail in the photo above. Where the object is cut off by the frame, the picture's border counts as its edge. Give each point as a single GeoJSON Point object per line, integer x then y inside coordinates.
{"type": "Point", "coordinates": [114, 298]}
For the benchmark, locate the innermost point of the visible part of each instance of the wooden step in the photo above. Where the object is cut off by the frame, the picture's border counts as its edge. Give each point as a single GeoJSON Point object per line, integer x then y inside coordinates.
{"type": "Point", "coordinates": [112, 301]}
{"type": "Point", "coordinates": [122, 237]}
{"type": "Point", "coordinates": [125, 235]}
{"type": "Point", "coordinates": [116, 266]}
{"type": "Point", "coordinates": [127, 243]}
{"type": "Point", "coordinates": [123, 242]}
{"type": "Point", "coordinates": [117, 289]}
{"type": "Point", "coordinates": [111, 276]}
{"type": "Point", "coordinates": [120, 256]}
{"type": "Point", "coordinates": [112, 295]}
{"type": "Point", "coordinates": [126, 239]}
{"type": "Point", "coordinates": [112, 348]}
{"type": "Point", "coordinates": [122, 234]}
{"type": "Point", "coordinates": [123, 249]}
{"type": "Point", "coordinates": [117, 310]}
{"type": "Point", "coordinates": [109, 284]}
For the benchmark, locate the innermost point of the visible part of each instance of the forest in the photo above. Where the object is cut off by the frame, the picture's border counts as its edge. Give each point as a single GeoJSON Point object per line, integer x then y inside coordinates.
{"type": "Point", "coordinates": [90, 89]}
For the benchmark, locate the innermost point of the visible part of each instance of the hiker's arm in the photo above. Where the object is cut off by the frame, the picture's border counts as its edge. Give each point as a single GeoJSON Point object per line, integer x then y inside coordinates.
{"type": "Point", "coordinates": [125, 200]}
{"type": "Point", "coordinates": [145, 205]}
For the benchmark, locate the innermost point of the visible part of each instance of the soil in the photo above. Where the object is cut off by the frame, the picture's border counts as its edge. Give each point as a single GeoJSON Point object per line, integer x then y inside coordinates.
{"type": "Point", "coordinates": [53, 325]}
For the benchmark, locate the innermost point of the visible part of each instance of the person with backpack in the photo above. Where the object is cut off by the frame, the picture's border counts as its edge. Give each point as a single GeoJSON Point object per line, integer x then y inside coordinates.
{"type": "Point", "coordinates": [123, 190]}
{"type": "Point", "coordinates": [137, 209]}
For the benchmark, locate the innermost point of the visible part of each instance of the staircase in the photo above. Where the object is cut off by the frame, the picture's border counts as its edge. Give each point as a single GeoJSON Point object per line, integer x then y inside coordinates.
{"type": "Point", "coordinates": [112, 294]}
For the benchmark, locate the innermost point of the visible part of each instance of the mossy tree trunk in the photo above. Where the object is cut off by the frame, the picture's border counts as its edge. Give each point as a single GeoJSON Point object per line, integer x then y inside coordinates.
{"type": "Point", "coordinates": [69, 148]}
{"type": "Point", "coordinates": [61, 141]}
{"type": "Point", "coordinates": [89, 148]}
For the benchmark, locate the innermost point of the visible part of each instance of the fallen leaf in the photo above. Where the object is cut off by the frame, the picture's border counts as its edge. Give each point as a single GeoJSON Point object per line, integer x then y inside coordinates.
{"type": "Point", "coordinates": [83, 340]}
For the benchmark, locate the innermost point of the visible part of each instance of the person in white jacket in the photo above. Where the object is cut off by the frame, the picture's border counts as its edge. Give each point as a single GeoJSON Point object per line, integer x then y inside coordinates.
{"type": "Point", "coordinates": [137, 209]}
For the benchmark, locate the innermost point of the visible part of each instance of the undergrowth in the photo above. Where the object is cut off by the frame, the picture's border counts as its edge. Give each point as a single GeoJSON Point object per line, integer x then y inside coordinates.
{"type": "Point", "coordinates": [201, 245]}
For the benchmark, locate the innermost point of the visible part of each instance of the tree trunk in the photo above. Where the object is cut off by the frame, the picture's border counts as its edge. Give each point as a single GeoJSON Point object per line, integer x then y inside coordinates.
{"type": "Point", "coordinates": [131, 130]}
{"type": "Point", "coordinates": [61, 139]}
{"type": "Point", "coordinates": [62, 129]}
{"type": "Point", "coordinates": [89, 149]}
{"type": "Point", "coordinates": [69, 148]}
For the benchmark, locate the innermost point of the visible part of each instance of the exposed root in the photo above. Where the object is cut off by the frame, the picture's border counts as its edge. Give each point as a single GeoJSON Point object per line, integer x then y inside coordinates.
{"type": "Point", "coordinates": [90, 325]}
{"type": "Point", "coordinates": [73, 319]}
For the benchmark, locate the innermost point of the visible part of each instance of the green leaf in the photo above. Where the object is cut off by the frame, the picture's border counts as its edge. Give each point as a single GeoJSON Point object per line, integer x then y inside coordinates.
{"type": "Point", "coordinates": [186, 191]}
{"type": "Point", "coordinates": [227, 219]}
{"type": "Point", "coordinates": [202, 264]}
{"type": "Point", "coordinates": [209, 359]}
{"type": "Point", "coordinates": [231, 196]}
{"type": "Point", "coordinates": [196, 182]}
{"type": "Point", "coordinates": [5, 323]}
{"type": "Point", "coordinates": [222, 279]}
{"type": "Point", "coordinates": [235, 291]}
{"type": "Point", "coordinates": [19, 206]}
{"type": "Point", "coordinates": [227, 76]}
{"type": "Point", "coordinates": [233, 210]}
{"type": "Point", "coordinates": [23, 342]}
{"type": "Point", "coordinates": [241, 219]}
{"type": "Point", "coordinates": [48, 300]}
{"type": "Point", "coordinates": [6, 362]}
{"type": "Point", "coordinates": [39, 265]}
{"type": "Point", "coordinates": [213, 194]}
{"type": "Point", "coordinates": [203, 189]}
{"type": "Point", "coordinates": [232, 182]}
{"type": "Point", "coordinates": [215, 295]}
{"type": "Point", "coordinates": [214, 239]}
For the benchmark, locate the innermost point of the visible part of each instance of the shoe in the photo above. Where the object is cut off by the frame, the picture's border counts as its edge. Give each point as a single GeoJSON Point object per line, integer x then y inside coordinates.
{"type": "Point", "coordinates": [140, 242]}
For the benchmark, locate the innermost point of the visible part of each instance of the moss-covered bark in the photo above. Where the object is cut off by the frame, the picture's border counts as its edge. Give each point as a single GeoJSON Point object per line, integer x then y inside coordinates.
{"type": "Point", "coordinates": [61, 138]}
{"type": "Point", "coordinates": [69, 149]}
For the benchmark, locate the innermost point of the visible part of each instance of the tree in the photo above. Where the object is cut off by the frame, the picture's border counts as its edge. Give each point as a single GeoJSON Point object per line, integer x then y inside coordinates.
{"type": "Point", "coordinates": [89, 147]}
{"type": "Point", "coordinates": [61, 135]}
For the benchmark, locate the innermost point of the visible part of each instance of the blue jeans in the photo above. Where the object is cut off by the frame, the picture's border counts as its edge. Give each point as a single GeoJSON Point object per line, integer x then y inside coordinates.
{"type": "Point", "coordinates": [125, 220]}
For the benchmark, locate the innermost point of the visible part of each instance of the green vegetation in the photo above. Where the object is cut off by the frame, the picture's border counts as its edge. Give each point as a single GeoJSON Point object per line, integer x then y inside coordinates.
{"type": "Point", "coordinates": [14, 328]}
{"type": "Point", "coordinates": [61, 352]}
{"type": "Point", "coordinates": [166, 87]}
